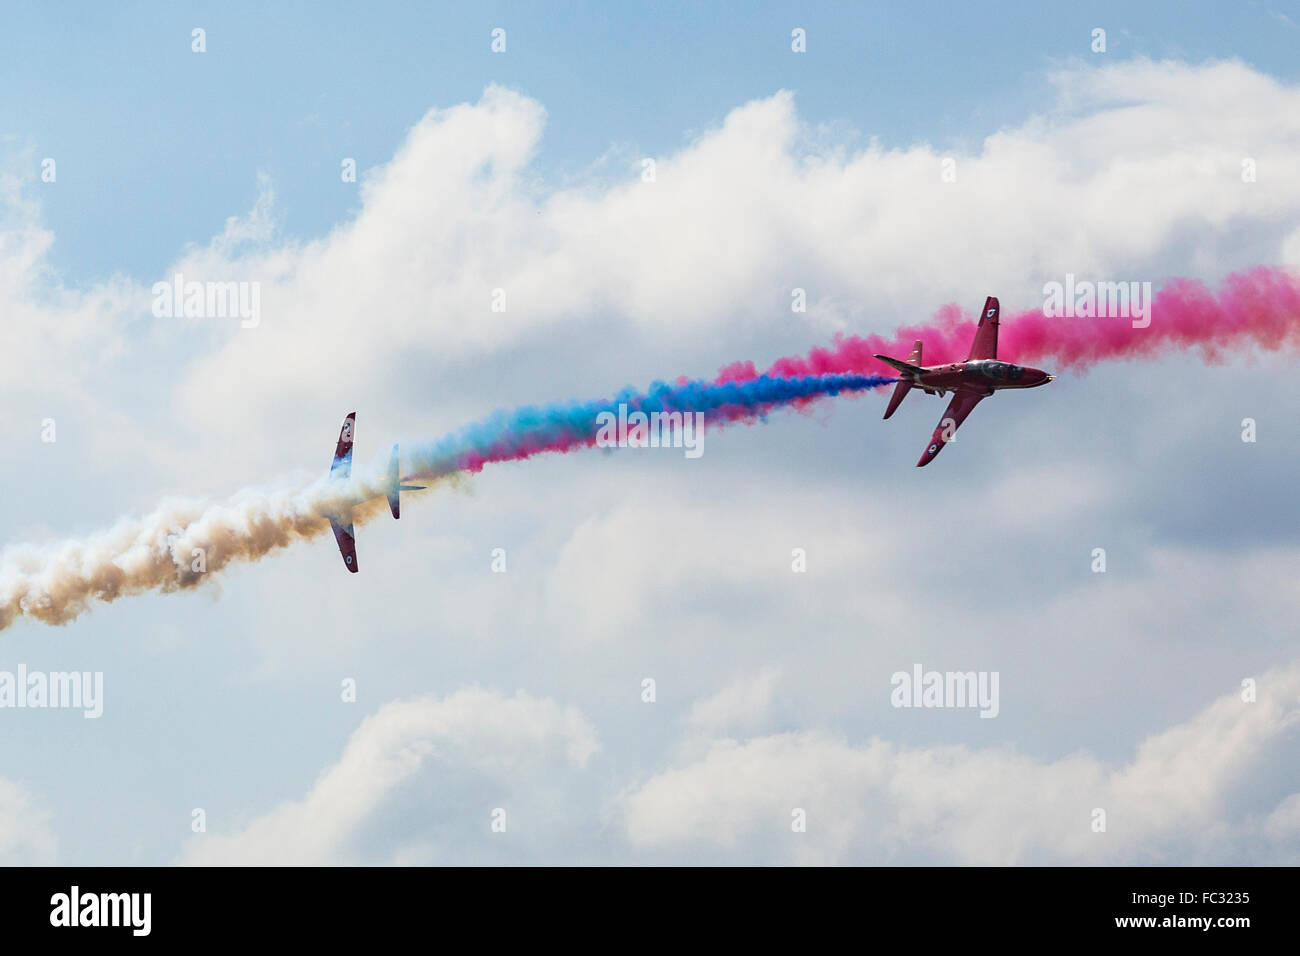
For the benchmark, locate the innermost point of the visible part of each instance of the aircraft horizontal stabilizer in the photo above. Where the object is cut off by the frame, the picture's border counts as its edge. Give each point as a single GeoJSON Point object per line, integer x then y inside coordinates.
{"type": "Point", "coordinates": [901, 366]}
{"type": "Point", "coordinates": [904, 385]}
{"type": "Point", "coordinates": [395, 486]}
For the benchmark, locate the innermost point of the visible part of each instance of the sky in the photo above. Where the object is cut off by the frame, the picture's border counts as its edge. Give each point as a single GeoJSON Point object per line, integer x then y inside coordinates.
{"type": "Point", "coordinates": [501, 712]}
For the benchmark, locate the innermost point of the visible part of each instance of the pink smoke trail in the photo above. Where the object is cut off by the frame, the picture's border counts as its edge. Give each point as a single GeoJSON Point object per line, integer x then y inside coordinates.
{"type": "Point", "coordinates": [1255, 309]}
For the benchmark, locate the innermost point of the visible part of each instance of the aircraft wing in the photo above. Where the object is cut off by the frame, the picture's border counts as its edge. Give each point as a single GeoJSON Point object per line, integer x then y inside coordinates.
{"type": "Point", "coordinates": [985, 345]}
{"type": "Point", "coordinates": [347, 543]}
{"type": "Point", "coordinates": [962, 404]}
{"type": "Point", "coordinates": [341, 468]}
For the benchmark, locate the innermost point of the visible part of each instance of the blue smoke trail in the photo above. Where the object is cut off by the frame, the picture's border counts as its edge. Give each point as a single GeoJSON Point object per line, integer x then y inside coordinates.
{"type": "Point", "coordinates": [530, 430]}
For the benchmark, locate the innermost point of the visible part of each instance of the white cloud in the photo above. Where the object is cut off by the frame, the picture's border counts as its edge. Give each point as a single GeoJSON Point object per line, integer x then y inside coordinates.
{"type": "Point", "coordinates": [1284, 821]}
{"type": "Point", "coordinates": [672, 552]}
{"type": "Point", "coordinates": [26, 835]}
{"type": "Point", "coordinates": [733, 221]}
{"type": "Point", "coordinates": [1032, 495]}
{"type": "Point", "coordinates": [742, 705]}
{"type": "Point", "coordinates": [1180, 798]}
{"type": "Point", "coordinates": [504, 741]}
{"type": "Point", "coordinates": [1135, 174]}
{"type": "Point", "coordinates": [59, 340]}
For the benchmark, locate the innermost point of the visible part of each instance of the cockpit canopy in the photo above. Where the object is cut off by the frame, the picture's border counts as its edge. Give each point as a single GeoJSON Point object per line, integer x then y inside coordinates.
{"type": "Point", "coordinates": [1001, 371]}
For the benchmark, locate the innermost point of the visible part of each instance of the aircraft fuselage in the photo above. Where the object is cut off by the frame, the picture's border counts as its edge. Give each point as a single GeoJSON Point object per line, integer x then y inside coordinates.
{"type": "Point", "coordinates": [976, 376]}
{"type": "Point", "coordinates": [970, 381]}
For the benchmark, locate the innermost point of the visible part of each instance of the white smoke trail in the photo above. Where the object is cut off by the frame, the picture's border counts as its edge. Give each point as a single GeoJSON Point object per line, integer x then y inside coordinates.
{"type": "Point", "coordinates": [177, 546]}
{"type": "Point", "coordinates": [182, 542]}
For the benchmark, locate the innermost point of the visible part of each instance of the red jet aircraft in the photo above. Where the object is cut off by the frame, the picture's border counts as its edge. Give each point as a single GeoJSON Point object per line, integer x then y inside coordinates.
{"type": "Point", "coordinates": [341, 470]}
{"type": "Point", "coordinates": [970, 381]}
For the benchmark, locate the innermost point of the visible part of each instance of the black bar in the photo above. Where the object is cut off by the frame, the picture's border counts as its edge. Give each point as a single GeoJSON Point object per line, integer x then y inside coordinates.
{"type": "Point", "coordinates": [927, 905]}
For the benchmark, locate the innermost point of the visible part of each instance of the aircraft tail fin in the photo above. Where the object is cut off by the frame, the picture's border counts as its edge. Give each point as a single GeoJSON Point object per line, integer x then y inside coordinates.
{"type": "Point", "coordinates": [985, 345]}
{"type": "Point", "coordinates": [910, 367]}
{"type": "Point", "coordinates": [395, 486]}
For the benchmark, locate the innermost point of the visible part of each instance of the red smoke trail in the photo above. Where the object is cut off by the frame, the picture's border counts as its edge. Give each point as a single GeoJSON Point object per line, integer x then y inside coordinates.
{"type": "Point", "coordinates": [1258, 308]}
